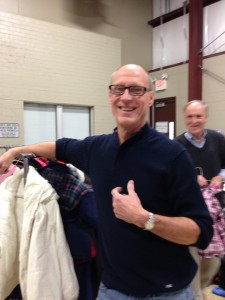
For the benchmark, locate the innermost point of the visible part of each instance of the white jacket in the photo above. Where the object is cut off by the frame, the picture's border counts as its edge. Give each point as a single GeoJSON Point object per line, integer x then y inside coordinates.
{"type": "Point", "coordinates": [33, 248]}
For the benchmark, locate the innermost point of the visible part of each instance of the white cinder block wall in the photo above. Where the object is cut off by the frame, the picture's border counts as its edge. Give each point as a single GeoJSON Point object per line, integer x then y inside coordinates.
{"type": "Point", "coordinates": [43, 62]}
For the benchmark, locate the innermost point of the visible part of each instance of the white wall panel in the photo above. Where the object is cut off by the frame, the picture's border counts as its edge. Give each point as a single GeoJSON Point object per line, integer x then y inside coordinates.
{"type": "Point", "coordinates": [170, 40]}
{"type": "Point", "coordinates": [214, 28]}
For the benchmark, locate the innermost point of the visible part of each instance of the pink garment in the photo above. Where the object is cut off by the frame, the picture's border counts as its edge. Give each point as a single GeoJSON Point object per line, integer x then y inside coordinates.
{"type": "Point", "coordinates": [216, 247]}
{"type": "Point", "coordinates": [11, 170]}
{"type": "Point", "coordinates": [42, 161]}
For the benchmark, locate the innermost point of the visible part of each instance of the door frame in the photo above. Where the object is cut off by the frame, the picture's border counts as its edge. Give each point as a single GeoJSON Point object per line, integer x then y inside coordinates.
{"type": "Point", "coordinates": [152, 111]}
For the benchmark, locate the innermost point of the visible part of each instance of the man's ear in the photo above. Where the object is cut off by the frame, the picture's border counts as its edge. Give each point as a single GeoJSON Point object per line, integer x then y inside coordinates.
{"type": "Point", "coordinates": [151, 98]}
{"type": "Point", "coordinates": [109, 97]}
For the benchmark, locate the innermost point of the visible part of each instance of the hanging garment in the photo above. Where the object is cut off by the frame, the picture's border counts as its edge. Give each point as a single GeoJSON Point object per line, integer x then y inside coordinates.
{"type": "Point", "coordinates": [80, 220]}
{"type": "Point", "coordinates": [11, 170]}
{"type": "Point", "coordinates": [216, 247]}
{"type": "Point", "coordinates": [33, 247]}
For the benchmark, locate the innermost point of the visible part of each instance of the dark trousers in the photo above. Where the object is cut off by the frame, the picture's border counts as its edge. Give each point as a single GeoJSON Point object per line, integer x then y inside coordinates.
{"type": "Point", "coordinates": [83, 272]}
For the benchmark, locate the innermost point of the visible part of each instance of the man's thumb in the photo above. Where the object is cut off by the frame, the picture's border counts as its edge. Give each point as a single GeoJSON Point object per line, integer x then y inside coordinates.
{"type": "Point", "coordinates": [130, 186]}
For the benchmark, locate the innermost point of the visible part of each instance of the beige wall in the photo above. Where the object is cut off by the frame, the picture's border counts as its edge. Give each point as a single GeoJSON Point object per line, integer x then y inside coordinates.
{"type": "Point", "coordinates": [213, 90]}
{"type": "Point", "coordinates": [177, 86]}
{"type": "Point", "coordinates": [123, 19]}
{"type": "Point", "coordinates": [51, 55]}
{"type": "Point", "coordinates": [43, 62]}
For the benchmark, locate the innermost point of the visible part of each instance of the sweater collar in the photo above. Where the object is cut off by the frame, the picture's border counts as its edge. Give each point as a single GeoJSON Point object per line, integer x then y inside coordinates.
{"type": "Point", "coordinates": [136, 135]}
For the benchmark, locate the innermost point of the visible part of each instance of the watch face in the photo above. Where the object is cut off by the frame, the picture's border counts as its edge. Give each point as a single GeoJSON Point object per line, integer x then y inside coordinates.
{"type": "Point", "coordinates": [149, 224]}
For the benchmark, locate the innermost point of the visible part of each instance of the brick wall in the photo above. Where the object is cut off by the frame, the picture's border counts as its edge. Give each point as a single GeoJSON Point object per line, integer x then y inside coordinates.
{"type": "Point", "coordinates": [47, 63]}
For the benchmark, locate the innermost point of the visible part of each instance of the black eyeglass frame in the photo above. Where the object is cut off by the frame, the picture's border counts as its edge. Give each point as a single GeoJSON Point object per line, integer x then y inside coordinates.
{"type": "Point", "coordinates": [144, 89]}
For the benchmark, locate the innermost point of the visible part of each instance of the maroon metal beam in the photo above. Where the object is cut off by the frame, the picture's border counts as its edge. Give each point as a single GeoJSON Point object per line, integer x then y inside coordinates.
{"type": "Point", "coordinates": [195, 45]}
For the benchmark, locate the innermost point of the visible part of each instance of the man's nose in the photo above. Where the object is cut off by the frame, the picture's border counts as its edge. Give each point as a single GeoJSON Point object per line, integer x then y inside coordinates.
{"type": "Point", "coordinates": [193, 119]}
{"type": "Point", "coordinates": [126, 94]}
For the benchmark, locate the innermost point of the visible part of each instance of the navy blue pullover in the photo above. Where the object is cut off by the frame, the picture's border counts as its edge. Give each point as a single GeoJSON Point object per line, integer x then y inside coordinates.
{"type": "Point", "coordinates": [137, 262]}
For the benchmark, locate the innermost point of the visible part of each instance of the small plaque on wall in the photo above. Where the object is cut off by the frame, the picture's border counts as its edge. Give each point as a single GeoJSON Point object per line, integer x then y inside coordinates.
{"type": "Point", "coordinates": [9, 130]}
{"type": "Point", "coordinates": [162, 127]}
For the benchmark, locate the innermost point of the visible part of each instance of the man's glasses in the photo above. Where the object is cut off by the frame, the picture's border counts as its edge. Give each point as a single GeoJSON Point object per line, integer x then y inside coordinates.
{"type": "Point", "coordinates": [119, 90]}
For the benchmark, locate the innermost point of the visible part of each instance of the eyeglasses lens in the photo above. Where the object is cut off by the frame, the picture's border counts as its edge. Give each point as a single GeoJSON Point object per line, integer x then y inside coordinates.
{"type": "Point", "coordinates": [133, 90]}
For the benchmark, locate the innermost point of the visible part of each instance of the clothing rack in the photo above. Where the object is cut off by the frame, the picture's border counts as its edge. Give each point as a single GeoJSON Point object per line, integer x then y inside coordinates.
{"type": "Point", "coordinates": [200, 170]}
{"type": "Point", "coordinates": [25, 158]}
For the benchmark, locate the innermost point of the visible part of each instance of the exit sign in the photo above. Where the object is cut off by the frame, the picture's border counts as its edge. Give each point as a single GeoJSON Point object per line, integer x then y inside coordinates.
{"type": "Point", "coordinates": [160, 85]}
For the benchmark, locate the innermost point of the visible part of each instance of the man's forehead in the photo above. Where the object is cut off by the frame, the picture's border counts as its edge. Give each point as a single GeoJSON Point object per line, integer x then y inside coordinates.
{"type": "Point", "coordinates": [195, 112]}
{"type": "Point", "coordinates": [130, 77]}
{"type": "Point", "coordinates": [194, 107]}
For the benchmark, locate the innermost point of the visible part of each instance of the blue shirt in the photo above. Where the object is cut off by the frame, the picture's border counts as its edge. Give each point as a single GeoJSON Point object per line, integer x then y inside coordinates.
{"type": "Point", "coordinates": [193, 140]}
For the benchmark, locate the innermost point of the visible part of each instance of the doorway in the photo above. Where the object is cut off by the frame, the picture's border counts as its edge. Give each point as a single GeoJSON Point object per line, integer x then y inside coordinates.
{"type": "Point", "coordinates": [163, 116]}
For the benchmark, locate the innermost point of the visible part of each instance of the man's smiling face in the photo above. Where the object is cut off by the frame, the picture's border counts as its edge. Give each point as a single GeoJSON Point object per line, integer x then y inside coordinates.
{"type": "Point", "coordinates": [131, 111]}
{"type": "Point", "coordinates": [195, 118]}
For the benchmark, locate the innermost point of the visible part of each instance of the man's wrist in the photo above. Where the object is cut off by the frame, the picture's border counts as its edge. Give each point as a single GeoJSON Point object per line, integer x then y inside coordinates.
{"type": "Point", "coordinates": [150, 222]}
{"type": "Point", "coordinates": [14, 152]}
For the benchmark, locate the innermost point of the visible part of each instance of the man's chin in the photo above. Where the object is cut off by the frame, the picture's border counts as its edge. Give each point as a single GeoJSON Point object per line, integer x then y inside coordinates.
{"type": "Point", "coordinates": [125, 122]}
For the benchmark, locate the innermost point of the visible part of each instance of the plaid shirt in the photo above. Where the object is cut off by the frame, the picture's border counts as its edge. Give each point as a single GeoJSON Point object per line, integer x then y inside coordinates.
{"type": "Point", "coordinates": [67, 186]}
{"type": "Point", "coordinates": [216, 247]}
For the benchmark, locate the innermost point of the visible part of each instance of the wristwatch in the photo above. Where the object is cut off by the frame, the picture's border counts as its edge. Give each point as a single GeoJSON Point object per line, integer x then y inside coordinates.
{"type": "Point", "coordinates": [150, 223]}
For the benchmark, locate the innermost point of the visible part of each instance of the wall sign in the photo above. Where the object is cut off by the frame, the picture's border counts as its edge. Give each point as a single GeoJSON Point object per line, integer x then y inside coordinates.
{"type": "Point", "coordinates": [160, 85]}
{"type": "Point", "coordinates": [9, 130]}
{"type": "Point", "coordinates": [161, 127]}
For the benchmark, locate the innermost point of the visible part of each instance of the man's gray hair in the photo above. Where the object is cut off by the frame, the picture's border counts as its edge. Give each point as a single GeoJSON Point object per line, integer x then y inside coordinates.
{"type": "Point", "coordinates": [197, 101]}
